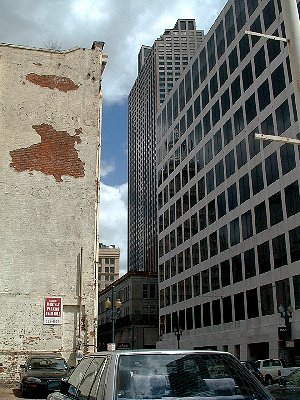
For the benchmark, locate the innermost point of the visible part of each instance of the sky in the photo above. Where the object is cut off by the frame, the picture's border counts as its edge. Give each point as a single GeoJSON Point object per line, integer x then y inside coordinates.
{"type": "Point", "coordinates": [124, 26]}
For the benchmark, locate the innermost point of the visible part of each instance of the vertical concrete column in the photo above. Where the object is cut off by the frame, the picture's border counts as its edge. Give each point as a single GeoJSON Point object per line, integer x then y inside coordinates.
{"type": "Point", "coordinates": [292, 28]}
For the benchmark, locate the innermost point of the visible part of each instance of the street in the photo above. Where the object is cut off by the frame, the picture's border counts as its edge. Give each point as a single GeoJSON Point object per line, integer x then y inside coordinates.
{"type": "Point", "coordinates": [13, 392]}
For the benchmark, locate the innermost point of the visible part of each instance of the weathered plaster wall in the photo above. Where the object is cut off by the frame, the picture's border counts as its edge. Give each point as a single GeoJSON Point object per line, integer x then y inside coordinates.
{"type": "Point", "coordinates": [49, 151]}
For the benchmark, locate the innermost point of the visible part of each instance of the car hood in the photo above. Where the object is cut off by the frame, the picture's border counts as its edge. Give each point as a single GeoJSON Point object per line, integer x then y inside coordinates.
{"type": "Point", "coordinates": [49, 373]}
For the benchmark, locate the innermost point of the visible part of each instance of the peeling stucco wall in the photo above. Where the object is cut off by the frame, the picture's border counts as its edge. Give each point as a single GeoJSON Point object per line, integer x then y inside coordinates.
{"type": "Point", "coordinates": [50, 119]}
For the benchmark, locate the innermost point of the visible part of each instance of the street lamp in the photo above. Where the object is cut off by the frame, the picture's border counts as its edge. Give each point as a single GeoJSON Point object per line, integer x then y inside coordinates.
{"type": "Point", "coordinates": [178, 333]}
{"type": "Point", "coordinates": [286, 313]}
{"type": "Point", "coordinates": [114, 308]}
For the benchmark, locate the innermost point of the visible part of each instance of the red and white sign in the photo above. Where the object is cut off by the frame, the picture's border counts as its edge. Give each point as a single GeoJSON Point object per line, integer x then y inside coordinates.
{"type": "Point", "coordinates": [53, 311]}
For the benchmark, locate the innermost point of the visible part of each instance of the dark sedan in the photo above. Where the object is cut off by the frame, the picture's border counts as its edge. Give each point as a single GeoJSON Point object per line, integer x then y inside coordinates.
{"type": "Point", "coordinates": [288, 388]}
{"type": "Point", "coordinates": [157, 374]}
{"type": "Point", "coordinates": [42, 373]}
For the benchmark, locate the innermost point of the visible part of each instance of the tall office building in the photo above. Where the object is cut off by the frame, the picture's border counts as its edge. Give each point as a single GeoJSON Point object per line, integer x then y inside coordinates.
{"type": "Point", "coordinates": [228, 203]}
{"type": "Point", "coordinates": [159, 67]}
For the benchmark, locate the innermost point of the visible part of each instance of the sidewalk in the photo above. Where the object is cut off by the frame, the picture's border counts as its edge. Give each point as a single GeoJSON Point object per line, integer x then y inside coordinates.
{"type": "Point", "coordinates": [9, 391]}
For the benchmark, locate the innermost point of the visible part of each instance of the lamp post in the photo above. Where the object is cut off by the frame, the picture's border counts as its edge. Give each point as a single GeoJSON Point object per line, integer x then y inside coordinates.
{"type": "Point", "coordinates": [114, 308]}
{"type": "Point", "coordinates": [178, 333]}
{"type": "Point", "coordinates": [286, 313]}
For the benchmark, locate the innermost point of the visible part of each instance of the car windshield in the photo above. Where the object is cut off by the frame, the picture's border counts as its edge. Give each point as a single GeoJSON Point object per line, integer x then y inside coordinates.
{"type": "Point", "coordinates": [294, 378]}
{"type": "Point", "coordinates": [42, 363]}
{"type": "Point", "coordinates": [197, 376]}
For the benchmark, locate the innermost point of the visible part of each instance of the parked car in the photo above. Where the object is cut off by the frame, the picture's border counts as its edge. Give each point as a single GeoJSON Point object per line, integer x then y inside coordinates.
{"type": "Point", "coordinates": [254, 370]}
{"type": "Point", "coordinates": [287, 388]}
{"type": "Point", "coordinates": [157, 374]}
{"type": "Point", "coordinates": [273, 369]}
{"type": "Point", "coordinates": [43, 373]}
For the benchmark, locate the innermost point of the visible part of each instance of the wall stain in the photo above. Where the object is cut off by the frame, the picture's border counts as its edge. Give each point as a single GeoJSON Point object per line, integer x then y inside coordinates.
{"type": "Point", "coordinates": [52, 82]}
{"type": "Point", "coordinates": [55, 155]}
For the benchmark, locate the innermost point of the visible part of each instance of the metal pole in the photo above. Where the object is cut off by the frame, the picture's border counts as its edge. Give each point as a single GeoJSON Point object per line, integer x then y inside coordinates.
{"type": "Point", "coordinates": [292, 27]}
{"type": "Point", "coordinates": [113, 313]}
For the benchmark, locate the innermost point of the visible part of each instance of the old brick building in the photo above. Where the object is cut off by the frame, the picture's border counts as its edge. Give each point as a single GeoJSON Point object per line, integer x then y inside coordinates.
{"type": "Point", "coordinates": [50, 120]}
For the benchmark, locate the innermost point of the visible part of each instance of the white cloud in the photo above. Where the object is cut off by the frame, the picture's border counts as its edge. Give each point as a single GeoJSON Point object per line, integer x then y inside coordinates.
{"type": "Point", "coordinates": [113, 219]}
{"type": "Point", "coordinates": [106, 168]}
{"type": "Point", "coordinates": [124, 26]}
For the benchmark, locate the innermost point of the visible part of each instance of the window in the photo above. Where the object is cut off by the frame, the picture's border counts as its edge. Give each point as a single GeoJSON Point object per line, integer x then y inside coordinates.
{"type": "Point", "coordinates": [211, 212]}
{"type": "Point", "coordinates": [217, 142]}
{"type": "Point", "coordinates": [227, 309]}
{"type": "Point", "coordinates": [294, 238]}
{"type": "Point", "coordinates": [214, 277]}
{"type": "Point", "coordinates": [260, 217]}
{"type": "Point", "coordinates": [227, 132]}
{"type": "Point", "coordinates": [251, 5]}
{"type": "Point", "coordinates": [221, 203]}
{"type": "Point", "coordinates": [271, 167]}
{"type": "Point", "coordinates": [292, 199]}
{"type": "Point", "coordinates": [244, 187]}
{"type": "Point", "coordinates": [213, 85]}
{"type": "Point", "coordinates": [269, 15]}
{"type": "Point", "coordinates": [263, 93]}
{"type": "Point", "coordinates": [233, 60]}
{"type": "Point", "coordinates": [241, 153]}
{"type": "Point", "coordinates": [253, 144]}
{"type": "Point", "coordinates": [208, 151]}
{"type": "Point", "coordinates": [244, 46]}
{"type": "Point", "coordinates": [219, 170]}
{"type": "Point", "coordinates": [260, 61]}
{"type": "Point", "coordinates": [287, 157]}
{"type": "Point", "coordinates": [215, 112]}
{"type": "Point", "coordinates": [249, 262]}
{"type": "Point", "coordinates": [203, 249]}
{"type": "Point", "coordinates": [255, 27]}
{"type": "Point", "coordinates": [205, 96]}
{"type": "Point", "coordinates": [234, 232]}
{"type": "Point", "coordinates": [239, 307]}
{"type": "Point", "coordinates": [239, 123]}
{"type": "Point", "coordinates": [263, 255]}
{"type": "Point", "coordinates": [229, 26]}
{"type": "Point", "coordinates": [230, 163]}
{"type": "Point", "coordinates": [252, 303]}
{"type": "Point", "coordinates": [250, 108]}
{"type": "Point", "coordinates": [210, 181]}
{"type": "Point", "coordinates": [216, 312]}
{"type": "Point", "coordinates": [223, 73]}
{"type": "Point", "coordinates": [267, 302]}
{"type": "Point", "coordinates": [276, 212]}
{"type": "Point", "coordinates": [232, 197]}
{"type": "Point", "coordinates": [225, 102]}
{"type": "Point", "coordinates": [283, 117]}
{"type": "Point", "coordinates": [278, 80]}
{"type": "Point", "coordinates": [235, 89]}
{"type": "Point", "coordinates": [273, 47]}
{"type": "Point", "coordinates": [257, 179]}
{"type": "Point", "coordinates": [279, 251]}
{"type": "Point", "coordinates": [205, 281]}
{"type": "Point", "coordinates": [225, 273]}
{"type": "Point", "coordinates": [223, 238]}
{"type": "Point", "coordinates": [237, 270]}
{"type": "Point", "coordinates": [247, 229]}
{"type": "Point", "coordinates": [247, 76]}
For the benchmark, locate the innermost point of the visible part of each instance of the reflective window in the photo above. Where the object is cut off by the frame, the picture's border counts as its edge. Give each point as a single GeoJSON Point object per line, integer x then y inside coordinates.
{"type": "Point", "coordinates": [247, 229]}
{"type": "Point", "coordinates": [279, 251]}
{"type": "Point", "coordinates": [260, 217]}
{"type": "Point", "coordinates": [239, 306]}
{"type": "Point", "coordinates": [232, 197]}
{"type": "Point", "coordinates": [234, 232]}
{"type": "Point", "coordinates": [271, 168]}
{"type": "Point", "coordinates": [266, 297]}
{"type": "Point", "coordinates": [225, 273]}
{"type": "Point", "coordinates": [292, 199]}
{"type": "Point", "coordinates": [227, 132]}
{"type": "Point", "coordinates": [237, 269]}
{"type": "Point", "coordinates": [276, 212]}
{"type": "Point", "coordinates": [294, 238]}
{"type": "Point", "coordinates": [244, 188]}
{"type": "Point", "coordinates": [223, 238]}
{"type": "Point", "coordinates": [249, 263]}
{"type": "Point", "coordinates": [257, 179]}
{"type": "Point", "coordinates": [263, 256]}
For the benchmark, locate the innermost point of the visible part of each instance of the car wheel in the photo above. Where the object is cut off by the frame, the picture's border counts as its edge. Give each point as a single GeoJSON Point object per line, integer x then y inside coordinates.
{"type": "Point", "coordinates": [24, 392]}
{"type": "Point", "coordinates": [268, 380]}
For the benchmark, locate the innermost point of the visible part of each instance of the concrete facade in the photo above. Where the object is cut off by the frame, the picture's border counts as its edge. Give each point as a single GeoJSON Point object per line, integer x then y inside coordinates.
{"type": "Point", "coordinates": [136, 323]}
{"type": "Point", "coordinates": [108, 265]}
{"type": "Point", "coordinates": [229, 205]}
{"type": "Point", "coordinates": [50, 119]}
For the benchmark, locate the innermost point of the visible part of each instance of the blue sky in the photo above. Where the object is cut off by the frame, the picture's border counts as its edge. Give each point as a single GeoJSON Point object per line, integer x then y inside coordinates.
{"type": "Point", "coordinates": [124, 26]}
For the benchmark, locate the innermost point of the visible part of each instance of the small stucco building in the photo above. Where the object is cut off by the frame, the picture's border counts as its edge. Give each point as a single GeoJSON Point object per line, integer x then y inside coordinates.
{"type": "Point", "coordinates": [50, 136]}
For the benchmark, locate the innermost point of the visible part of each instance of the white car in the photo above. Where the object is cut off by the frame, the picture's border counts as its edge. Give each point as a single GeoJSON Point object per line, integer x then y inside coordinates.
{"type": "Point", "coordinates": [161, 374]}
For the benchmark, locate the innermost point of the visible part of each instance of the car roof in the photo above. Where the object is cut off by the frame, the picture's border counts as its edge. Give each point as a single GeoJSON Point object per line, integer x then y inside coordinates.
{"type": "Point", "coordinates": [164, 351]}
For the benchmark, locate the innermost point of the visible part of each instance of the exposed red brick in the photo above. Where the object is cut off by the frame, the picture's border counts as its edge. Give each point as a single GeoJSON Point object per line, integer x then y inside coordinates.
{"type": "Point", "coordinates": [52, 82]}
{"type": "Point", "coordinates": [55, 155]}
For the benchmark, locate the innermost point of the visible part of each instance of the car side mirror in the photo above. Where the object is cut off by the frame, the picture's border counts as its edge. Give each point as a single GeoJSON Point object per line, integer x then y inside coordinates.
{"type": "Point", "coordinates": [22, 366]}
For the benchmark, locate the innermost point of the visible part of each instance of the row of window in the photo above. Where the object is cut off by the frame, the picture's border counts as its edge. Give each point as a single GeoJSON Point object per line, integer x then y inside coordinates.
{"type": "Point", "coordinates": [244, 151]}
{"type": "Point", "coordinates": [239, 267]}
{"type": "Point", "coordinates": [240, 306]}
{"type": "Point", "coordinates": [191, 83]}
